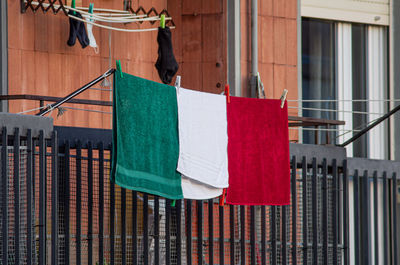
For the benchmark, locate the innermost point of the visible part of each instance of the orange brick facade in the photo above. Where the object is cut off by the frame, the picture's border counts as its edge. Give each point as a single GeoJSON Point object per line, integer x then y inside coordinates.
{"type": "Point", "coordinates": [41, 63]}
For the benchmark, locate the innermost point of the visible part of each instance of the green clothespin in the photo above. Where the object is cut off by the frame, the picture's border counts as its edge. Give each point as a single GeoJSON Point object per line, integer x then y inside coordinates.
{"type": "Point", "coordinates": [91, 8]}
{"type": "Point", "coordinates": [118, 64]}
{"type": "Point", "coordinates": [73, 6]}
{"type": "Point", "coordinates": [173, 203]}
{"type": "Point", "coordinates": [162, 22]}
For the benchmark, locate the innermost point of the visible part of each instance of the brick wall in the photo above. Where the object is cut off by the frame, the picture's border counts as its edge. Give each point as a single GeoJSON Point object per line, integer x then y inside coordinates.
{"type": "Point", "coordinates": [41, 63]}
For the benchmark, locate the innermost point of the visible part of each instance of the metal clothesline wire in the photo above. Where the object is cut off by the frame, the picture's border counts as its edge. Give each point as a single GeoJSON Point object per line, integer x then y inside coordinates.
{"type": "Point", "coordinates": [114, 28]}
{"type": "Point", "coordinates": [358, 127]}
{"type": "Point", "coordinates": [100, 89]}
{"type": "Point", "coordinates": [110, 19]}
{"type": "Point", "coordinates": [321, 129]}
{"type": "Point", "coordinates": [30, 110]}
{"type": "Point", "coordinates": [89, 110]}
{"type": "Point", "coordinates": [344, 111]}
{"type": "Point", "coordinates": [343, 100]}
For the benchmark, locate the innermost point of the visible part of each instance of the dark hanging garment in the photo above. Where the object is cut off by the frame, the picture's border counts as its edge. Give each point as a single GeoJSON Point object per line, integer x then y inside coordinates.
{"type": "Point", "coordinates": [166, 64]}
{"type": "Point", "coordinates": [77, 29]}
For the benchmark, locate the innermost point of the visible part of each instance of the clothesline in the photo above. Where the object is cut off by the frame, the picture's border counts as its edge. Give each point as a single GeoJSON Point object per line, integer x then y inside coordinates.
{"type": "Point", "coordinates": [125, 19]}
{"type": "Point", "coordinates": [343, 100]}
{"type": "Point", "coordinates": [343, 111]}
{"type": "Point", "coordinates": [101, 89]}
{"type": "Point", "coordinates": [89, 110]}
{"type": "Point", "coordinates": [113, 28]}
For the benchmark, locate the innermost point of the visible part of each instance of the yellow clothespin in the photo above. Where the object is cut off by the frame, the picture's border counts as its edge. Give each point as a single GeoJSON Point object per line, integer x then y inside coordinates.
{"type": "Point", "coordinates": [283, 97]}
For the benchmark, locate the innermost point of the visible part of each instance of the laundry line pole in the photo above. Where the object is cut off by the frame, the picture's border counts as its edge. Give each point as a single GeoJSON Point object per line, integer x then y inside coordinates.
{"type": "Point", "coordinates": [75, 93]}
{"type": "Point", "coordinates": [254, 49]}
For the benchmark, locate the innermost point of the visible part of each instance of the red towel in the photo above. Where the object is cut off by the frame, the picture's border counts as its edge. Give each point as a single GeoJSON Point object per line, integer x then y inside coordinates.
{"type": "Point", "coordinates": [258, 152]}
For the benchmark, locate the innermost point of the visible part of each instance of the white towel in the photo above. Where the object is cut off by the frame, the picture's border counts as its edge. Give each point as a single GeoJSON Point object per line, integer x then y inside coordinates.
{"type": "Point", "coordinates": [203, 141]}
{"type": "Point", "coordinates": [195, 190]}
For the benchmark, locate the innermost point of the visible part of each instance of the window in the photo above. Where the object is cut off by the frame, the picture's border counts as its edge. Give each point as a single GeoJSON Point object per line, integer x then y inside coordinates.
{"type": "Point", "coordinates": [345, 77]}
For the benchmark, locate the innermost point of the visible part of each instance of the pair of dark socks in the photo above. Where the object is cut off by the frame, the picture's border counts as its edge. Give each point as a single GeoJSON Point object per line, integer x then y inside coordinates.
{"type": "Point", "coordinates": [77, 29]}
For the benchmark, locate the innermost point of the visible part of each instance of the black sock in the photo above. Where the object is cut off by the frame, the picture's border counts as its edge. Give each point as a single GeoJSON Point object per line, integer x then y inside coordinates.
{"type": "Point", "coordinates": [166, 64]}
{"type": "Point", "coordinates": [77, 29]}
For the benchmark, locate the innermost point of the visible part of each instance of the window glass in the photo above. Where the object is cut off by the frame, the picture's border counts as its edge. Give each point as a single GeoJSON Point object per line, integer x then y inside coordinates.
{"type": "Point", "coordinates": [359, 55]}
{"type": "Point", "coordinates": [318, 66]}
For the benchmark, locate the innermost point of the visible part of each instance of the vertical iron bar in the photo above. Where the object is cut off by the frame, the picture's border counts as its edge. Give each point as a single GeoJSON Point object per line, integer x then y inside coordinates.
{"type": "Point", "coordinates": [394, 205]}
{"type": "Point", "coordinates": [101, 203]}
{"type": "Point", "coordinates": [123, 224]}
{"type": "Point", "coordinates": [346, 214]}
{"type": "Point", "coordinates": [29, 184]}
{"type": "Point", "coordinates": [134, 228]}
{"type": "Point", "coordinates": [189, 231]}
{"type": "Point", "coordinates": [168, 232]}
{"type": "Point", "coordinates": [252, 234]}
{"type": "Point", "coordinates": [146, 229]}
{"type": "Point", "coordinates": [335, 221]}
{"type": "Point", "coordinates": [112, 223]}
{"type": "Point", "coordinates": [283, 236]}
{"type": "Point", "coordinates": [305, 215]}
{"type": "Point", "coordinates": [42, 199]}
{"type": "Point", "coordinates": [273, 234]}
{"type": "Point", "coordinates": [221, 235]}
{"type": "Point", "coordinates": [232, 233]}
{"type": "Point", "coordinates": [211, 231]}
{"type": "Point", "coordinates": [4, 192]}
{"type": "Point", "coordinates": [315, 210]}
{"type": "Point", "coordinates": [385, 219]}
{"type": "Point", "coordinates": [54, 199]}
{"type": "Point", "coordinates": [90, 203]}
{"type": "Point", "coordinates": [366, 217]}
{"type": "Point", "coordinates": [78, 200]}
{"type": "Point", "coordinates": [294, 210]}
{"type": "Point", "coordinates": [263, 236]}
{"type": "Point", "coordinates": [67, 200]}
{"type": "Point", "coordinates": [178, 210]}
{"type": "Point", "coordinates": [200, 231]}
{"type": "Point", "coordinates": [376, 234]}
{"type": "Point", "coordinates": [325, 210]}
{"type": "Point", "coordinates": [242, 234]}
{"type": "Point", "coordinates": [156, 230]}
{"type": "Point", "coordinates": [16, 197]}
{"type": "Point", "coordinates": [356, 218]}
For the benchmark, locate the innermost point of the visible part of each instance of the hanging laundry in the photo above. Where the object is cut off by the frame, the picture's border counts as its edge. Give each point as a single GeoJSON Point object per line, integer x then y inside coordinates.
{"type": "Point", "coordinates": [203, 142]}
{"type": "Point", "coordinates": [166, 64]}
{"type": "Point", "coordinates": [92, 40]}
{"type": "Point", "coordinates": [195, 190]}
{"type": "Point", "coordinates": [77, 30]}
{"type": "Point", "coordinates": [258, 152]}
{"type": "Point", "coordinates": [145, 136]}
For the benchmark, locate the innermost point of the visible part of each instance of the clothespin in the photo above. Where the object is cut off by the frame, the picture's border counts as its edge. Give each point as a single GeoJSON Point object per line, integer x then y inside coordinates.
{"type": "Point", "coordinates": [283, 97]}
{"type": "Point", "coordinates": [162, 22]}
{"type": "Point", "coordinates": [173, 203]}
{"type": "Point", "coordinates": [118, 65]}
{"type": "Point", "coordinates": [73, 6]}
{"type": "Point", "coordinates": [178, 83]}
{"type": "Point", "coordinates": [227, 94]}
{"type": "Point", "coordinates": [91, 8]}
{"type": "Point", "coordinates": [222, 198]}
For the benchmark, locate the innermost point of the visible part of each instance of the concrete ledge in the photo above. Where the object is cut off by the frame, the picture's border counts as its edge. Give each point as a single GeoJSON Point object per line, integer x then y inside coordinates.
{"type": "Point", "coordinates": [25, 122]}
{"type": "Point", "coordinates": [319, 152]}
{"type": "Point", "coordinates": [372, 165]}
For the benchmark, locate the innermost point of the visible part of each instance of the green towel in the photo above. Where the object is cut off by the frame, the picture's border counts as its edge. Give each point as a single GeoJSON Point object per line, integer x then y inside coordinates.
{"type": "Point", "coordinates": [145, 136]}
